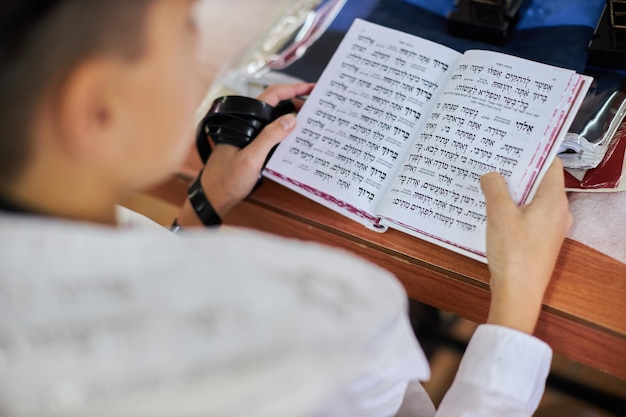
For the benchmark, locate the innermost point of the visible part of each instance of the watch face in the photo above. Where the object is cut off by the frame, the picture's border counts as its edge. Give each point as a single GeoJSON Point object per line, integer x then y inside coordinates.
{"type": "Point", "coordinates": [617, 10]}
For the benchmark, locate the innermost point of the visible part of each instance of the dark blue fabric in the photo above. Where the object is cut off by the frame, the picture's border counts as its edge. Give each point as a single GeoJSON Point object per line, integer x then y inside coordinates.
{"type": "Point", "coordinates": [555, 32]}
{"type": "Point", "coordinates": [563, 46]}
{"type": "Point", "coordinates": [539, 13]}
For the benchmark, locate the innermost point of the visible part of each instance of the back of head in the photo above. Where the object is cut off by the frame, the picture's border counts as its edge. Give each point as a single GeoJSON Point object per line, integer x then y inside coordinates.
{"type": "Point", "coordinates": [41, 41]}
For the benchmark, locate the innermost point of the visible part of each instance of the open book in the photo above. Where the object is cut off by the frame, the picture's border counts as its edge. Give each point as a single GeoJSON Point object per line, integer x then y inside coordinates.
{"type": "Point", "coordinates": [398, 131]}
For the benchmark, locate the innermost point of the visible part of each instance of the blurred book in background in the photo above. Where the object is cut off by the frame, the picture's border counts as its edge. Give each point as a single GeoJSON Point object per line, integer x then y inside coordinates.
{"type": "Point", "coordinates": [593, 150]}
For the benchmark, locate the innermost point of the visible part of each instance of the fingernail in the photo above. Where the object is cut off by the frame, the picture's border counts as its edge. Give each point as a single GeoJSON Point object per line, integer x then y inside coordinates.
{"type": "Point", "coordinates": [288, 121]}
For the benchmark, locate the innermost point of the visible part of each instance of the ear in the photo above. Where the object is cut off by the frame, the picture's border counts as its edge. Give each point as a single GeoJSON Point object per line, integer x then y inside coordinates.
{"type": "Point", "coordinates": [86, 109]}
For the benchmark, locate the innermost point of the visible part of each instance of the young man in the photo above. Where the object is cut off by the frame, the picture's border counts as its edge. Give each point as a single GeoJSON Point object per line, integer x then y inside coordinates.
{"type": "Point", "coordinates": [104, 316]}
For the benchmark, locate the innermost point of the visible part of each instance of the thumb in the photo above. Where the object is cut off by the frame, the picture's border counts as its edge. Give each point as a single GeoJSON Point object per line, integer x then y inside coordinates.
{"type": "Point", "coordinates": [552, 185]}
{"type": "Point", "coordinates": [496, 193]}
{"type": "Point", "coordinates": [272, 134]}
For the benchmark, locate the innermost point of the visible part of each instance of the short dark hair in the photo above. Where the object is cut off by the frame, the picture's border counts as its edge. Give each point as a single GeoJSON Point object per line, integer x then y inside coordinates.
{"type": "Point", "coordinates": [39, 59]}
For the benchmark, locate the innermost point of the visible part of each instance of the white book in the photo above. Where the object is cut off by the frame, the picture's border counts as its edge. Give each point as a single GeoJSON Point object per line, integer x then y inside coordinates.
{"type": "Point", "coordinates": [398, 131]}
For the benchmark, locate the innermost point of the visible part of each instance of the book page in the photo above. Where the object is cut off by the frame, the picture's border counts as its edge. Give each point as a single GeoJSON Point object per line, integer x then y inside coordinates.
{"type": "Point", "coordinates": [357, 123]}
{"type": "Point", "coordinates": [498, 113]}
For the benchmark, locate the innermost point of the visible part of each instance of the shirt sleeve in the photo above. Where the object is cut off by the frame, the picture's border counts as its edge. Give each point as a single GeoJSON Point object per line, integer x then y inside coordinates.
{"type": "Point", "coordinates": [503, 372]}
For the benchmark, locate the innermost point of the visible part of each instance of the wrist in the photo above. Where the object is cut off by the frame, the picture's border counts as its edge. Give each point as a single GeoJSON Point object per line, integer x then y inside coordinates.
{"type": "Point", "coordinates": [221, 202]}
{"type": "Point", "coordinates": [514, 313]}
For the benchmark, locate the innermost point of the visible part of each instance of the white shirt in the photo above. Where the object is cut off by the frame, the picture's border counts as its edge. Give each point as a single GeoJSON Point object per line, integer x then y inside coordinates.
{"type": "Point", "coordinates": [98, 321]}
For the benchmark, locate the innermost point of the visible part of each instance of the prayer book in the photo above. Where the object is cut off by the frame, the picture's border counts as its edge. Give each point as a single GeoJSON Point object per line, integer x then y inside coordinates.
{"type": "Point", "coordinates": [399, 129]}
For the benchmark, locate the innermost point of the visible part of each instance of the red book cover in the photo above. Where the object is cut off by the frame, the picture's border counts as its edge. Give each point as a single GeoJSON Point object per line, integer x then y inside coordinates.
{"type": "Point", "coordinates": [607, 175]}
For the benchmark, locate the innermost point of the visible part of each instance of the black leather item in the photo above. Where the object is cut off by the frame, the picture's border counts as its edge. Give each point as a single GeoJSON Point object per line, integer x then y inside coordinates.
{"type": "Point", "coordinates": [225, 118]}
{"type": "Point", "coordinates": [222, 134]}
{"type": "Point", "coordinates": [242, 106]}
{"type": "Point", "coordinates": [232, 130]}
{"type": "Point", "coordinates": [236, 120]}
{"type": "Point", "coordinates": [203, 208]}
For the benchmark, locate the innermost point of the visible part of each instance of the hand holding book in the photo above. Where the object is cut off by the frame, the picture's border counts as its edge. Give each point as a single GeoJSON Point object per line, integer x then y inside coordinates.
{"type": "Point", "coordinates": [520, 269]}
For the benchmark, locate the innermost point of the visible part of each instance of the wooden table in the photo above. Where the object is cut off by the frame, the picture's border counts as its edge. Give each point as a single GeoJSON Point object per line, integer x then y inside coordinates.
{"type": "Point", "coordinates": [584, 313]}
